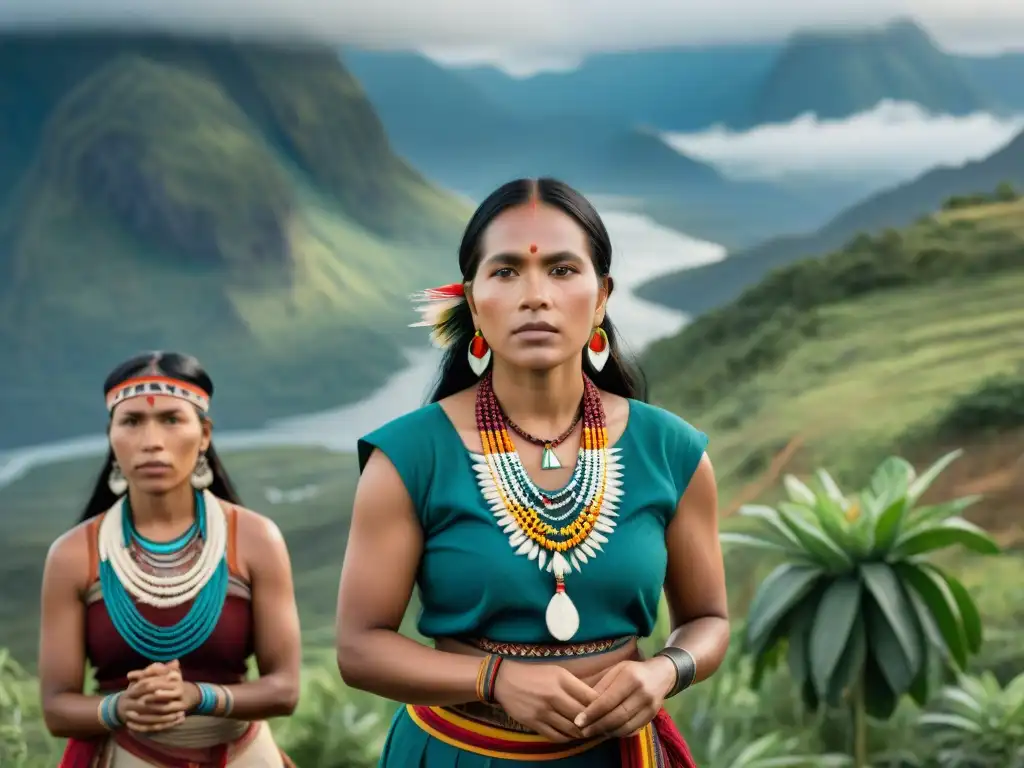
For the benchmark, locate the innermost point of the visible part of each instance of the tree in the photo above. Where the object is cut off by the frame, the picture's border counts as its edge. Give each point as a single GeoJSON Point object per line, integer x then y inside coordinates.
{"type": "Point", "coordinates": [863, 614]}
{"type": "Point", "coordinates": [13, 745]}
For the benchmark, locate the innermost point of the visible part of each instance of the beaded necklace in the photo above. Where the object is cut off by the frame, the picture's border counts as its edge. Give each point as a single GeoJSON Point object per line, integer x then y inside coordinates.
{"type": "Point", "coordinates": [548, 459]}
{"type": "Point", "coordinates": [193, 567]}
{"type": "Point", "coordinates": [561, 529]}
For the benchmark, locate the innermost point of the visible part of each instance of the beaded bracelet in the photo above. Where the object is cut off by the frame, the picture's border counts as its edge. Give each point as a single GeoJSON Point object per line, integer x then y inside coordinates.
{"type": "Point", "coordinates": [686, 668]}
{"type": "Point", "coordinates": [106, 711]}
{"type": "Point", "coordinates": [208, 700]}
{"type": "Point", "coordinates": [486, 678]}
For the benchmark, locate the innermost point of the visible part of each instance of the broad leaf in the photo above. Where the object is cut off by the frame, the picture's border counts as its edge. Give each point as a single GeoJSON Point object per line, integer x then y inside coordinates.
{"type": "Point", "coordinates": [837, 611]}
{"type": "Point", "coordinates": [777, 595]}
{"type": "Point", "coordinates": [922, 517]}
{"type": "Point", "coordinates": [879, 699]}
{"type": "Point", "coordinates": [889, 524]}
{"type": "Point", "coordinates": [798, 631]}
{"type": "Point", "coordinates": [753, 541]}
{"type": "Point", "coordinates": [831, 488]}
{"type": "Point", "coordinates": [887, 591]}
{"type": "Point", "coordinates": [942, 606]}
{"type": "Point", "coordinates": [849, 670]}
{"type": "Point", "coordinates": [921, 484]}
{"type": "Point", "coordinates": [773, 523]}
{"type": "Point", "coordinates": [824, 550]}
{"type": "Point", "coordinates": [891, 480]}
{"type": "Point", "coordinates": [946, 534]}
{"type": "Point", "coordinates": [893, 662]}
{"type": "Point", "coordinates": [798, 491]}
{"type": "Point", "coordinates": [968, 610]}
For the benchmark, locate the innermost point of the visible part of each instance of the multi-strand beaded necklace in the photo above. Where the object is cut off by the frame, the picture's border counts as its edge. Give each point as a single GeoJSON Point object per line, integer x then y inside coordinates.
{"type": "Point", "coordinates": [560, 530]}
{"type": "Point", "coordinates": [192, 567]}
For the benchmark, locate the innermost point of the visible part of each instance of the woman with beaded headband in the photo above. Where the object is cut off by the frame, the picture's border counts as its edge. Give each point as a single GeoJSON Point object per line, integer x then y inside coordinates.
{"type": "Point", "coordinates": [166, 587]}
{"type": "Point", "coordinates": [541, 507]}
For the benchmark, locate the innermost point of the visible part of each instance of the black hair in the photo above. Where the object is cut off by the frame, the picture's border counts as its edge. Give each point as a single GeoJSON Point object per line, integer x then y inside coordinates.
{"type": "Point", "coordinates": [619, 375]}
{"type": "Point", "coordinates": [175, 366]}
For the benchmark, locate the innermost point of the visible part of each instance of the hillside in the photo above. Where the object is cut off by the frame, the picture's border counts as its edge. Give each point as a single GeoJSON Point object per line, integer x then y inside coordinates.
{"type": "Point", "coordinates": [999, 77]}
{"type": "Point", "coordinates": [457, 133]}
{"type": "Point", "coordinates": [707, 287]}
{"type": "Point", "coordinates": [838, 74]}
{"type": "Point", "coordinates": [911, 340]}
{"type": "Point", "coordinates": [237, 201]}
{"type": "Point", "coordinates": [675, 89]}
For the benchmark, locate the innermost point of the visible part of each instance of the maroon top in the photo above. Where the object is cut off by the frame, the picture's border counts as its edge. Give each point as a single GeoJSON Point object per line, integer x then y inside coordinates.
{"type": "Point", "coordinates": [221, 659]}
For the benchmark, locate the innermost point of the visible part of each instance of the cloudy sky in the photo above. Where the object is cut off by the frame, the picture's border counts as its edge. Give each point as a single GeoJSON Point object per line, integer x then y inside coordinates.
{"type": "Point", "coordinates": [528, 33]}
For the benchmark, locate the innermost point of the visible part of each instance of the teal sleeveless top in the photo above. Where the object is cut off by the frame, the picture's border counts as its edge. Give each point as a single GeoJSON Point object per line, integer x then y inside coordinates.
{"type": "Point", "coordinates": [471, 581]}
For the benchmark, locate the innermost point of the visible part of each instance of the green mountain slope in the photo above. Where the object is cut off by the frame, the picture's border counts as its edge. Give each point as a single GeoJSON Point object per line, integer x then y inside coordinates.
{"type": "Point", "coordinates": [706, 287]}
{"type": "Point", "coordinates": [834, 75]}
{"type": "Point", "coordinates": [236, 201]}
{"type": "Point", "coordinates": [895, 342]}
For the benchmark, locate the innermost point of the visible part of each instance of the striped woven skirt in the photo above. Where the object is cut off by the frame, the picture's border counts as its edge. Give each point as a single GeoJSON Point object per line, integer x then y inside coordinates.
{"type": "Point", "coordinates": [471, 737]}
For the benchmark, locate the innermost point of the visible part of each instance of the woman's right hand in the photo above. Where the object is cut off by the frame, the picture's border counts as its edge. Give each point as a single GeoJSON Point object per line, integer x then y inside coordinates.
{"type": "Point", "coordinates": [136, 708]}
{"type": "Point", "coordinates": [544, 697]}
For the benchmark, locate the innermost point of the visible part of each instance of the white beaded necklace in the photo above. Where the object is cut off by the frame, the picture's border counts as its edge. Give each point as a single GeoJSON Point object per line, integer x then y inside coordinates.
{"type": "Point", "coordinates": [158, 590]}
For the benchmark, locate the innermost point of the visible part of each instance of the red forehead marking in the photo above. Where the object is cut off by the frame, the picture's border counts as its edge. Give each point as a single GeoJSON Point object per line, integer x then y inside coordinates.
{"type": "Point", "coordinates": [533, 248]}
{"type": "Point", "coordinates": [151, 400]}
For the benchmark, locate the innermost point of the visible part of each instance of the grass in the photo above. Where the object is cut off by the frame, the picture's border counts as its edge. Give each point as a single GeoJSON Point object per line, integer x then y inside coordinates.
{"type": "Point", "coordinates": [853, 374]}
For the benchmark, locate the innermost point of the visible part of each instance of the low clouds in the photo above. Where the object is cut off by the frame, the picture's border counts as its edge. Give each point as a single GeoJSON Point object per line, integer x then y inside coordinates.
{"type": "Point", "coordinates": [561, 29]}
{"type": "Point", "coordinates": [891, 142]}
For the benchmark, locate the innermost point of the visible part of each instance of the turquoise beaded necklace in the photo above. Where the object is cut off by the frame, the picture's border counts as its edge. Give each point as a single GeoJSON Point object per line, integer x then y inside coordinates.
{"type": "Point", "coordinates": [153, 641]}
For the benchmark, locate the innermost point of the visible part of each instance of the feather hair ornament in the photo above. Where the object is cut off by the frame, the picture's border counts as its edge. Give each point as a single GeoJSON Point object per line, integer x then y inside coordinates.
{"type": "Point", "coordinates": [435, 306]}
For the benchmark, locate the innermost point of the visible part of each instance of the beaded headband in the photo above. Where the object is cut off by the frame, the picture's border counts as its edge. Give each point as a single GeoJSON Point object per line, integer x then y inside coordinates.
{"type": "Point", "coordinates": [150, 386]}
{"type": "Point", "coordinates": [435, 306]}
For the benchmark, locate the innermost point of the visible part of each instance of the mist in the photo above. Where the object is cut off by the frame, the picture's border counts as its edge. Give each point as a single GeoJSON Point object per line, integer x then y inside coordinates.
{"type": "Point", "coordinates": [892, 142]}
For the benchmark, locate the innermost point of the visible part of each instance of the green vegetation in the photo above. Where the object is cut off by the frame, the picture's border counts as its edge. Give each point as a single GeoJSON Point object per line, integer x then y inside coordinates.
{"type": "Point", "coordinates": [865, 616]}
{"type": "Point", "coordinates": [908, 338]}
{"type": "Point", "coordinates": [239, 202]}
{"type": "Point", "coordinates": [858, 351]}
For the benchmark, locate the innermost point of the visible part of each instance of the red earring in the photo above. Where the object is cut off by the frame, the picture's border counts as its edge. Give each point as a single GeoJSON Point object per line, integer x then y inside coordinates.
{"type": "Point", "coordinates": [598, 349]}
{"type": "Point", "coordinates": [479, 354]}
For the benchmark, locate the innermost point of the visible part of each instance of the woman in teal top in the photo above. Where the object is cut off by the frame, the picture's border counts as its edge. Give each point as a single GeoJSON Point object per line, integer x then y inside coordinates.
{"type": "Point", "coordinates": [541, 507]}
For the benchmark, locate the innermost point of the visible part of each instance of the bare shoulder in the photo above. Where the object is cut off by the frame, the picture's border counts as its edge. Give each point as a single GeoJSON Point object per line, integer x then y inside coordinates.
{"type": "Point", "coordinates": [256, 530]}
{"type": "Point", "coordinates": [68, 556]}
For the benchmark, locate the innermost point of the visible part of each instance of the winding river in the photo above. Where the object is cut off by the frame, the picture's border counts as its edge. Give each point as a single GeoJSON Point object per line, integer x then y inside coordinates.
{"type": "Point", "coordinates": [643, 250]}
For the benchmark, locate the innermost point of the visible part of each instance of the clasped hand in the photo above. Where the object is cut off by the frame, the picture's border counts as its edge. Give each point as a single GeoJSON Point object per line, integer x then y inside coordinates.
{"type": "Point", "coordinates": [629, 695]}
{"type": "Point", "coordinates": [157, 698]}
{"type": "Point", "coordinates": [556, 704]}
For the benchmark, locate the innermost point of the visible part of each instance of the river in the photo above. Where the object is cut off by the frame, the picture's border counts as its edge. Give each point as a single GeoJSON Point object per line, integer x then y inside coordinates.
{"type": "Point", "coordinates": [643, 250]}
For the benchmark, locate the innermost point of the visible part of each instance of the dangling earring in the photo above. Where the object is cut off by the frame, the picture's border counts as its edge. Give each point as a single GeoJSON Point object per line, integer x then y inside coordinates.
{"type": "Point", "coordinates": [116, 481]}
{"type": "Point", "coordinates": [202, 475]}
{"type": "Point", "coordinates": [598, 349]}
{"type": "Point", "coordinates": [479, 354]}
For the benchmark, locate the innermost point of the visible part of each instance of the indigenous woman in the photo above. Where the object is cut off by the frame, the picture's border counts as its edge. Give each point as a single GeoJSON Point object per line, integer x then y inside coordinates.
{"type": "Point", "coordinates": [541, 507]}
{"type": "Point", "coordinates": [167, 587]}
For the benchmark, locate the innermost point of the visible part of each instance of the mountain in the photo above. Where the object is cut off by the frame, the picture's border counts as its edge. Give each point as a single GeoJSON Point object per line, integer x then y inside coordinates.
{"type": "Point", "coordinates": [906, 341]}
{"type": "Point", "coordinates": [707, 287]}
{"type": "Point", "coordinates": [675, 89]}
{"type": "Point", "coordinates": [838, 74]}
{"type": "Point", "coordinates": [999, 77]}
{"type": "Point", "coordinates": [445, 125]}
{"type": "Point", "coordinates": [237, 201]}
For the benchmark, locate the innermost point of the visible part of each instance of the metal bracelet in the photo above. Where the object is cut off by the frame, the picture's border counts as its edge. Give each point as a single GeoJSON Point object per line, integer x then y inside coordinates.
{"type": "Point", "coordinates": [686, 668]}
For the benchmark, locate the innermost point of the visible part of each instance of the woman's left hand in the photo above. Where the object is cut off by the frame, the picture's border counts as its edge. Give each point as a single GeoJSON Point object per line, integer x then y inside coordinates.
{"type": "Point", "coordinates": [160, 692]}
{"type": "Point", "coordinates": [630, 694]}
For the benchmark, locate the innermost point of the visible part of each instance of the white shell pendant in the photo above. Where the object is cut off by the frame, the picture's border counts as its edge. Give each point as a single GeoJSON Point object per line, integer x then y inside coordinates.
{"type": "Point", "coordinates": [562, 618]}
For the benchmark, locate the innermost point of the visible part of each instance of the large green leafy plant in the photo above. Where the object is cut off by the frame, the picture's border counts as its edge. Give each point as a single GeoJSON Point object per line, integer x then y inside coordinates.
{"type": "Point", "coordinates": [978, 724]}
{"type": "Point", "coordinates": [865, 616]}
